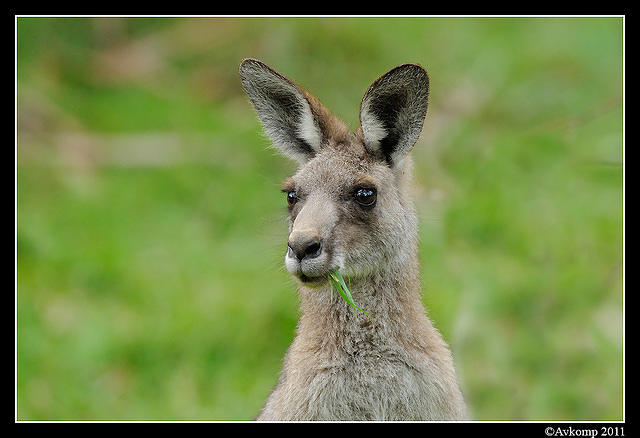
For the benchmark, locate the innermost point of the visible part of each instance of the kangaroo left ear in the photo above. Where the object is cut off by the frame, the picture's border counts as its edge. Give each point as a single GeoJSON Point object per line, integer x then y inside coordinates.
{"type": "Point", "coordinates": [392, 112]}
{"type": "Point", "coordinates": [295, 121]}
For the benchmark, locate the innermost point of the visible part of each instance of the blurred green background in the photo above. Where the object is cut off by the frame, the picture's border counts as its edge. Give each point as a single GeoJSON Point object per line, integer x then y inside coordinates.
{"type": "Point", "coordinates": [151, 229]}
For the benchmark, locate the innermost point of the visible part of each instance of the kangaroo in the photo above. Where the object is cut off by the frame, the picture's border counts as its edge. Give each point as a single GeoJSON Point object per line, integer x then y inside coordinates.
{"type": "Point", "coordinates": [350, 210]}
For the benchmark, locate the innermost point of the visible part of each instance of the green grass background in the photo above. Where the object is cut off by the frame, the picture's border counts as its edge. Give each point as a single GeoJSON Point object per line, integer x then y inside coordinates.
{"type": "Point", "coordinates": [151, 228]}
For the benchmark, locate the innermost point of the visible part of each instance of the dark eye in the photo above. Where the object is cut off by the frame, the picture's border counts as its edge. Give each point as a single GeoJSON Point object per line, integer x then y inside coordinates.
{"type": "Point", "coordinates": [292, 198]}
{"type": "Point", "coordinates": [366, 197]}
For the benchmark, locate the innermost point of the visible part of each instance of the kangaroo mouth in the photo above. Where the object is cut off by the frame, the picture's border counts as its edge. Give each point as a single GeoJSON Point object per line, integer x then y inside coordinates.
{"type": "Point", "coordinates": [313, 280]}
{"type": "Point", "coordinates": [312, 272]}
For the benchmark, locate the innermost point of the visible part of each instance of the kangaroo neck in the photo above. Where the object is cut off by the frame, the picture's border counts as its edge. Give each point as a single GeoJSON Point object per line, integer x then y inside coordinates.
{"type": "Point", "coordinates": [391, 295]}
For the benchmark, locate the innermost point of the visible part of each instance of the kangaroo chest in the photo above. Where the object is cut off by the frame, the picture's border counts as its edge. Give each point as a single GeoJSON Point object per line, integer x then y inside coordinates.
{"type": "Point", "coordinates": [358, 381]}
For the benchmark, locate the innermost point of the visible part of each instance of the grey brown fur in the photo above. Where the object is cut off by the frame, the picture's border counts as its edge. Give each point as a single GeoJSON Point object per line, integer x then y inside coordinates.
{"type": "Point", "coordinates": [345, 365]}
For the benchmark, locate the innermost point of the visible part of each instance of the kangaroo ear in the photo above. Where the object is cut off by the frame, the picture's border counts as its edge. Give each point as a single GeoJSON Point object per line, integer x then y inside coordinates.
{"type": "Point", "coordinates": [291, 117]}
{"type": "Point", "coordinates": [393, 111]}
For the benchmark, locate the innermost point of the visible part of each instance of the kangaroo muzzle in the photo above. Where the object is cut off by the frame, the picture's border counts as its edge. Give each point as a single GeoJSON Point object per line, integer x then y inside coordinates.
{"type": "Point", "coordinates": [304, 244]}
{"type": "Point", "coordinates": [307, 247]}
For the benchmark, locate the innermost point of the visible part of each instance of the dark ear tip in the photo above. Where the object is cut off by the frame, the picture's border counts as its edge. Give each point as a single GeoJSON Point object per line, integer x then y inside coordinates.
{"type": "Point", "coordinates": [247, 63]}
{"type": "Point", "coordinates": [410, 72]}
{"type": "Point", "coordinates": [416, 69]}
{"type": "Point", "coordinates": [413, 66]}
{"type": "Point", "coordinates": [252, 64]}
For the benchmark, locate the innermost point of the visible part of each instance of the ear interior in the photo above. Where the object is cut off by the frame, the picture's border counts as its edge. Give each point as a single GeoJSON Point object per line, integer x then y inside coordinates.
{"type": "Point", "coordinates": [393, 110]}
{"type": "Point", "coordinates": [284, 110]}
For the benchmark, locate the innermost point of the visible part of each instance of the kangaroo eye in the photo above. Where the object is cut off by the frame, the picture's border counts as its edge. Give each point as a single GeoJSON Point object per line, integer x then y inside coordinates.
{"type": "Point", "coordinates": [366, 197]}
{"type": "Point", "coordinates": [292, 198]}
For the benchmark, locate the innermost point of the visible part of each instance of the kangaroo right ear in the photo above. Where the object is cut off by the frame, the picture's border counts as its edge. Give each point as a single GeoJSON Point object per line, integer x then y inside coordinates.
{"type": "Point", "coordinates": [291, 117]}
{"type": "Point", "coordinates": [393, 111]}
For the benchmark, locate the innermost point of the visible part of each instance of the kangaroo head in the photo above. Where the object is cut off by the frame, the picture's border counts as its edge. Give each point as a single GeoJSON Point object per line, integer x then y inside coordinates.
{"type": "Point", "coordinates": [348, 203]}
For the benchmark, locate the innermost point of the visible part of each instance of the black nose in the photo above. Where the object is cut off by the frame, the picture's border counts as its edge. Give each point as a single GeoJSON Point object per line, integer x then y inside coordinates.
{"type": "Point", "coordinates": [304, 248]}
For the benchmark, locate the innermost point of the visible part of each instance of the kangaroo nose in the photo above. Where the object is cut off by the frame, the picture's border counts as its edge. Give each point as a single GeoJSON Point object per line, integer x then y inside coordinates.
{"type": "Point", "coordinates": [303, 245]}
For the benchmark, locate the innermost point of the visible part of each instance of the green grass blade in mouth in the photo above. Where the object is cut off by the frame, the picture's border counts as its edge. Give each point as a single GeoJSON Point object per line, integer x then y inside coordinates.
{"type": "Point", "coordinates": [331, 285]}
{"type": "Point", "coordinates": [336, 278]}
